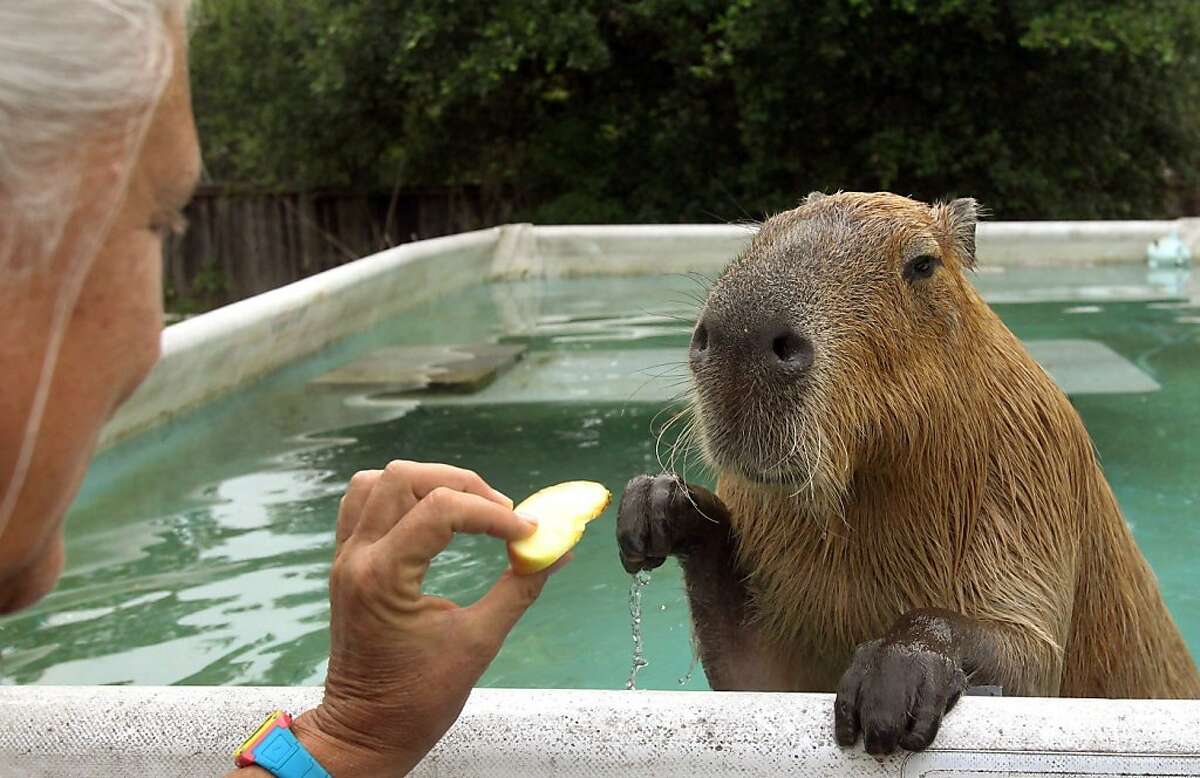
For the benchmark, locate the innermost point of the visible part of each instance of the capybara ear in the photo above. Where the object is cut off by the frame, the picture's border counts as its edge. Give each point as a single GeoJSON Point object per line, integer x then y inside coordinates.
{"type": "Point", "coordinates": [960, 217]}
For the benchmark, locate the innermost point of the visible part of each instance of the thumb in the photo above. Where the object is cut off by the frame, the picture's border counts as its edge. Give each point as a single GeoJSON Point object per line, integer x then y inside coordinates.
{"type": "Point", "coordinates": [498, 611]}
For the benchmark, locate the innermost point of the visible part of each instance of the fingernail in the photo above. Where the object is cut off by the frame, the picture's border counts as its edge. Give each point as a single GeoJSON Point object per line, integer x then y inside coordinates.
{"type": "Point", "coordinates": [528, 519]}
{"type": "Point", "coordinates": [504, 497]}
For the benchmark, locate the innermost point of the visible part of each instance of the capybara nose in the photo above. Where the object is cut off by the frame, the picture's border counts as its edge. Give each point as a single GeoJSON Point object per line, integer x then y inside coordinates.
{"type": "Point", "coordinates": [789, 350]}
{"type": "Point", "coordinates": [776, 347]}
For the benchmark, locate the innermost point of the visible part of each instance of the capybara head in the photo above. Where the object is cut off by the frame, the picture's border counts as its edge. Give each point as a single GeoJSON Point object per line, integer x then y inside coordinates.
{"type": "Point", "coordinates": [835, 337]}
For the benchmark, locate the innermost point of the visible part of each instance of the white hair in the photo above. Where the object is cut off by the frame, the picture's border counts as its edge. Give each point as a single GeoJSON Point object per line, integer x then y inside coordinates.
{"type": "Point", "coordinates": [72, 73]}
{"type": "Point", "coordinates": [76, 77]}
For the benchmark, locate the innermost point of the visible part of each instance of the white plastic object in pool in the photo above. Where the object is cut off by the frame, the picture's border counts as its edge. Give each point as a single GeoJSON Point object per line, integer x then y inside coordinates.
{"type": "Point", "coordinates": [1168, 251]}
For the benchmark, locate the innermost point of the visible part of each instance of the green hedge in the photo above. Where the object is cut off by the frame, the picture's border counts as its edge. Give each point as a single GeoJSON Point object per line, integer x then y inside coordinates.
{"type": "Point", "coordinates": [686, 110]}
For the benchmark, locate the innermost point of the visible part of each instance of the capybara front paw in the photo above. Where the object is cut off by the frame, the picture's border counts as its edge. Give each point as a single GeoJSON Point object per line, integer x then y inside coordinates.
{"type": "Point", "coordinates": [895, 694]}
{"type": "Point", "coordinates": [645, 520]}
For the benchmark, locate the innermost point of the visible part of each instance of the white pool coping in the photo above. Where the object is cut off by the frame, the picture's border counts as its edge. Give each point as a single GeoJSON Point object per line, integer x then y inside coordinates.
{"type": "Point", "coordinates": [104, 732]}
{"type": "Point", "coordinates": [653, 248]}
{"type": "Point", "coordinates": [216, 352]}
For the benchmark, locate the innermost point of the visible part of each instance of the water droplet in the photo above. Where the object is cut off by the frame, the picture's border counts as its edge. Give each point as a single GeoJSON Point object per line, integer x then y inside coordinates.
{"type": "Point", "coordinates": [639, 582]}
{"type": "Point", "coordinates": [685, 680]}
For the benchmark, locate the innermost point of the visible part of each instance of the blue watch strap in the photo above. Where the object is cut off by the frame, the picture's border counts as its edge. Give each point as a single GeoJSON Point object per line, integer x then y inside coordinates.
{"type": "Point", "coordinates": [282, 755]}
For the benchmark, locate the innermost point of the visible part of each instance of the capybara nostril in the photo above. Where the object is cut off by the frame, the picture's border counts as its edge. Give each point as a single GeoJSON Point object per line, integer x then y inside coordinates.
{"type": "Point", "coordinates": [793, 350]}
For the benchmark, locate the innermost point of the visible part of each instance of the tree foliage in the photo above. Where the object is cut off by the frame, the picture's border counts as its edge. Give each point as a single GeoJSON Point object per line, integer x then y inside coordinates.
{"type": "Point", "coordinates": [672, 110]}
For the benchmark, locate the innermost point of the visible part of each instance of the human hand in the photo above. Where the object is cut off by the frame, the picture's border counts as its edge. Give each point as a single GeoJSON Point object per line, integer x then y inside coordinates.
{"type": "Point", "coordinates": [402, 663]}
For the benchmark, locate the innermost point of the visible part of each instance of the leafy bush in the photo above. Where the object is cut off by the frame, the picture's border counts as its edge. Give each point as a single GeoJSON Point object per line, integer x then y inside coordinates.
{"type": "Point", "coordinates": [685, 110]}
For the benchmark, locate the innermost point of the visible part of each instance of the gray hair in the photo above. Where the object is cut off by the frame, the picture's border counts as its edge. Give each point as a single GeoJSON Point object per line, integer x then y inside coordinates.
{"type": "Point", "coordinates": [72, 72]}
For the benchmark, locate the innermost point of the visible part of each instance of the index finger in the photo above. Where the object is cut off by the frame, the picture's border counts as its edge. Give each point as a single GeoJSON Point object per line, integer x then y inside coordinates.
{"type": "Point", "coordinates": [351, 506]}
{"type": "Point", "coordinates": [424, 477]}
{"type": "Point", "coordinates": [430, 526]}
{"type": "Point", "coordinates": [404, 484]}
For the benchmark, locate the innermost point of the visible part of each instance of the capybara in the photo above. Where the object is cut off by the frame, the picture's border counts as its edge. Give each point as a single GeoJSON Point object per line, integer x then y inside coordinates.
{"type": "Point", "coordinates": [906, 502]}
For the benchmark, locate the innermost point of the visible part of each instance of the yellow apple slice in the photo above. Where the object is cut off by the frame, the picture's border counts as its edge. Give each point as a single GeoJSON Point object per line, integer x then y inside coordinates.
{"type": "Point", "coordinates": [562, 512]}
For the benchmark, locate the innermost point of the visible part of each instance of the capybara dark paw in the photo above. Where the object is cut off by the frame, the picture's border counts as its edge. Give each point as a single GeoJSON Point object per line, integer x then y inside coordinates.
{"type": "Point", "coordinates": [895, 694]}
{"type": "Point", "coordinates": [646, 520]}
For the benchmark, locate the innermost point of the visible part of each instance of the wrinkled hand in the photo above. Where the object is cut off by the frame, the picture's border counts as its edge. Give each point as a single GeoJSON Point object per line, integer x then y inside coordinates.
{"type": "Point", "coordinates": [896, 692]}
{"type": "Point", "coordinates": [403, 663]}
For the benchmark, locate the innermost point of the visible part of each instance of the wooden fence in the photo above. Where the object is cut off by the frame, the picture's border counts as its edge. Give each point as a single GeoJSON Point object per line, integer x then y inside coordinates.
{"type": "Point", "coordinates": [241, 243]}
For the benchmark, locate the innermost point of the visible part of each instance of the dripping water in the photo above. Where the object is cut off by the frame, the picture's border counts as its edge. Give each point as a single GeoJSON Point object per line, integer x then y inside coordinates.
{"type": "Point", "coordinates": [639, 582]}
{"type": "Point", "coordinates": [685, 680]}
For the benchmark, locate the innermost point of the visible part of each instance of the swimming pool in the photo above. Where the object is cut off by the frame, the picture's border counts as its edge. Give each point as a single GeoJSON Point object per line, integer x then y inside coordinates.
{"type": "Point", "coordinates": [199, 551]}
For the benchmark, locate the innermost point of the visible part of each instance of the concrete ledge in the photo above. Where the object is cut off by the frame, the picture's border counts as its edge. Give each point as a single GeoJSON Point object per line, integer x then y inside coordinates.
{"type": "Point", "coordinates": [570, 250]}
{"type": "Point", "coordinates": [214, 353]}
{"type": "Point", "coordinates": [623, 249]}
{"type": "Point", "coordinates": [1025, 244]}
{"type": "Point", "coordinates": [106, 731]}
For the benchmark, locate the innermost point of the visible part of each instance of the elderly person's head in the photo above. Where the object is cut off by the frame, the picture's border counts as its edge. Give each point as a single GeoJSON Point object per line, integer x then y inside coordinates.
{"type": "Point", "coordinates": [97, 155]}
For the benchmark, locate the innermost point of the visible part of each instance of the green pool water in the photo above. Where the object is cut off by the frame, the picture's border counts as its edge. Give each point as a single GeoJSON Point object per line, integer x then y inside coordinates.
{"type": "Point", "coordinates": [199, 552]}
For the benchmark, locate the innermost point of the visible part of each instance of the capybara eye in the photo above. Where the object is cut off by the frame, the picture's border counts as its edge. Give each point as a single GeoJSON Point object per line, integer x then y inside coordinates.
{"type": "Point", "coordinates": [920, 267]}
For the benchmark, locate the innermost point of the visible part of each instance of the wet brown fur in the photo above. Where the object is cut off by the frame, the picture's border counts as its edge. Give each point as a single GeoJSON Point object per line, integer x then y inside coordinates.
{"type": "Point", "coordinates": [930, 462]}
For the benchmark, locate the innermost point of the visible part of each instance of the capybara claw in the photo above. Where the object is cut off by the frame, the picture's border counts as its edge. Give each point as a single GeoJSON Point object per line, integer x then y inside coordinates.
{"type": "Point", "coordinates": [894, 695]}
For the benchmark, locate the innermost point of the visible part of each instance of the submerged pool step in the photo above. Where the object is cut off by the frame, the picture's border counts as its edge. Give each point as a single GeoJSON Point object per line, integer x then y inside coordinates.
{"type": "Point", "coordinates": [402, 370]}
{"type": "Point", "coordinates": [1089, 367]}
{"type": "Point", "coordinates": [1080, 367]}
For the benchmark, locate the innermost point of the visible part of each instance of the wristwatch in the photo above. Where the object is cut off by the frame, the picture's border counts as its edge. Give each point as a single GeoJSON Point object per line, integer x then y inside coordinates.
{"type": "Point", "coordinates": [275, 749]}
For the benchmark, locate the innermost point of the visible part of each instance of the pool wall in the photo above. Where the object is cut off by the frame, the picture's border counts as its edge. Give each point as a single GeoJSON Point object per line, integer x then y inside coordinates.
{"type": "Point", "coordinates": [120, 731]}
{"type": "Point", "coordinates": [102, 731]}
{"type": "Point", "coordinates": [209, 355]}
{"type": "Point", "coordinates": [217, 352]}
{"type": "Point", "coordinates": [639, 249]}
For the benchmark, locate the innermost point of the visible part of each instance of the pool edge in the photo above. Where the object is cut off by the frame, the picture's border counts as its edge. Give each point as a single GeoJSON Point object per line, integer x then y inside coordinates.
{"type": "Point", "coordinates": [102, 731]}
{"type": "Point", "coordinates": [217, 352]}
